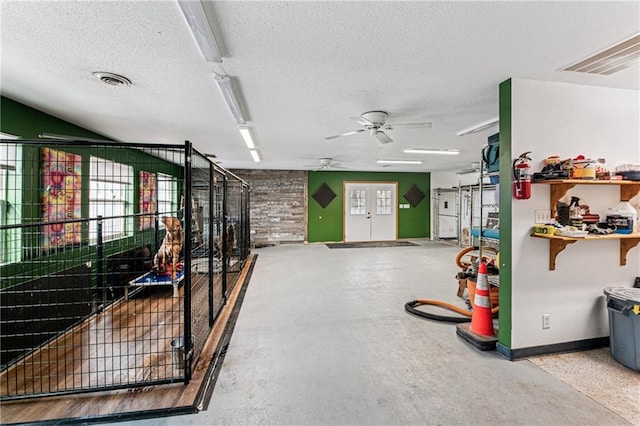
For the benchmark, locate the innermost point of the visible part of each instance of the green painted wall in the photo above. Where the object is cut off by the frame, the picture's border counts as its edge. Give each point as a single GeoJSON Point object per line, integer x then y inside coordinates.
{"type": "Point", "coordinates": [27, 123]}
{"type": "Point", "coordinates": [504, 331]}
{"type": "Point", "coordinates": [326, 224]}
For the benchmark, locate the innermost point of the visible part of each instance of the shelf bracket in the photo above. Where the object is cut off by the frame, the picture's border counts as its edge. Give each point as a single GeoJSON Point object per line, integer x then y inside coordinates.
{"type": "Point", "coordinates": [558, 190]}
{"type": "Point", "coordinates": [627, 192]}
{"type": "Point", "coordinates": [556, 247]}
{"type": "Point", "coordinates": [626, 245]}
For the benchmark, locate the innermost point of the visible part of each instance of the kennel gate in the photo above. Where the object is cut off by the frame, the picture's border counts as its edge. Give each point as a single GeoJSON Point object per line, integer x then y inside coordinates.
{"type": "Point", "coordinates": [80, 223]}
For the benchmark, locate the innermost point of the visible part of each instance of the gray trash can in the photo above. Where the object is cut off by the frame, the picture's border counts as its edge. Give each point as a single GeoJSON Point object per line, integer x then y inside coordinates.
{"type": "Point", "coordinates": [623, 305]}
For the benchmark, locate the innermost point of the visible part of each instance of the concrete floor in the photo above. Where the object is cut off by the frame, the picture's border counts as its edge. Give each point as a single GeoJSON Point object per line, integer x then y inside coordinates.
{"type": "Point", "coordinates": [322, 338]}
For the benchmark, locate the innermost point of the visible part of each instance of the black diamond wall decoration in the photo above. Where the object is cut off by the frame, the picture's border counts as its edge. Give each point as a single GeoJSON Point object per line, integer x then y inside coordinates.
{"type": "Point", "coordinates": [324, 195]}
{"type": "Point", "coordinates": [414, 195]}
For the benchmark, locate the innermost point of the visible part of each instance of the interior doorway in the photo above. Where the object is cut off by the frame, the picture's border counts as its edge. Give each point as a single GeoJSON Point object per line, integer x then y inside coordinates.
{"type": "Point", "coordinates": [447, 209]}
{"type": "Point", "coordinates": [370, 211]}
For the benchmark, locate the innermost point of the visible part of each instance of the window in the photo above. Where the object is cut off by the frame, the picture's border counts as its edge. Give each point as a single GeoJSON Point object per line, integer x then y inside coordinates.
{"type": "Point", "coordinates": [383, 201]}
{"type": "Point", "coordinates": [4, 207]}
{"type": "Point", "coordinates": [358, 201]}
{"type": "Point", "coordinates": [111, 196]}
{"type": "Point", "coordinates": [167, 202]}
{"type": "Point", "coordinates": [10, 200]}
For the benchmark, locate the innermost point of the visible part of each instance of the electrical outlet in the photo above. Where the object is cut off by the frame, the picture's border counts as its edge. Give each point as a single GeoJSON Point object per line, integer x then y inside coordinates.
{"type": "Point", "coordinates": [546, 321]}
{"type": "Point", "coordinates": [542, 216]}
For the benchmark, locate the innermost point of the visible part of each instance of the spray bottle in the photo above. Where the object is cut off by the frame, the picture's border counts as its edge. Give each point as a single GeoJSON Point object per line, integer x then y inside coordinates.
{"type": "Point", "coordinates": [575, 217]}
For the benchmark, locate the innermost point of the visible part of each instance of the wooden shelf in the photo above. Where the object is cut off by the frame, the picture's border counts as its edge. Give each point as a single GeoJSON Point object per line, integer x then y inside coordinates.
{"type": "Point", "coordinates": [558, 243]}
{"type": "Point", "coordinates": [559, 188]}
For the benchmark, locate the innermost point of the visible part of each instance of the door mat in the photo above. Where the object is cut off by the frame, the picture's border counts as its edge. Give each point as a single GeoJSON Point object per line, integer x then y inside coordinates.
{"type": "Point", "coordinates": [370, 244]}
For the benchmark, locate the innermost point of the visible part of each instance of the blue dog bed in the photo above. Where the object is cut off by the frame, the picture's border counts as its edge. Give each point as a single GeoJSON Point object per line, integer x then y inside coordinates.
{"type": "Point", "coordinates": [151, 279]}
{"type": "Point", "coordinates": [487, 233]}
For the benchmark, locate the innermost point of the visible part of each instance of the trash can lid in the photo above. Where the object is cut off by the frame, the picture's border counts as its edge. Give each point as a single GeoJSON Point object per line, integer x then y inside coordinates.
{"type": "Point", "coordinates": [624, 293]}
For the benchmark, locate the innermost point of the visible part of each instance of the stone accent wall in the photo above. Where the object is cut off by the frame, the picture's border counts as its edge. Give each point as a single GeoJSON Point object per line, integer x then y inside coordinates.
{"type": "Point", "coordinates": [278, 205]}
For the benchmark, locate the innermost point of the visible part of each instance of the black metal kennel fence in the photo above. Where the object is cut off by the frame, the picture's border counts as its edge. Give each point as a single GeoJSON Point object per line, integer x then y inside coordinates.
{"type": "Point", "coordinates": [90, 296]}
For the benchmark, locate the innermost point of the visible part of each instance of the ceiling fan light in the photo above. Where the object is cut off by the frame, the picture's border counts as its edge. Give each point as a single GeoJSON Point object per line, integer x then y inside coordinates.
{"type": "Point", "coordinates": [479, 127]}
{"type": "Point", "coordinates": [399, 161]}
{"type": "Point", "coordinates": [255, 155]}
{"type": "Point", "coordinates": [248, 138]}
{"type": "Point", "coordinates": [432, 151]}
{"type": "Point", "coordinates": [381, 136]}
{"type": "Point", "coordinates": [201, 29]}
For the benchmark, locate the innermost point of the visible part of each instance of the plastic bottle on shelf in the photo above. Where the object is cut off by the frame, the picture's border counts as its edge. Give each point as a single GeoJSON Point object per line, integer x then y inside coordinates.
{"type": "Point", "coordinates": [625, 208]}
{"type": "Point", "coordinates": [575, 217]}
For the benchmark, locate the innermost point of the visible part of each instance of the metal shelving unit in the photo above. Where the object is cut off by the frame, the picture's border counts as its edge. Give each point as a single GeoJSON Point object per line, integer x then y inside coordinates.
{"type": "Point", "coordinates": [484, 207]}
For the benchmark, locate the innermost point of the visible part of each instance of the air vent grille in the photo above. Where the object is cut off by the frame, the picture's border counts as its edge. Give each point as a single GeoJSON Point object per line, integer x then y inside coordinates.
{"type": "Point", "coordinates": [616, 58]}
{"type": "Point", "coordinates": [112, 79]}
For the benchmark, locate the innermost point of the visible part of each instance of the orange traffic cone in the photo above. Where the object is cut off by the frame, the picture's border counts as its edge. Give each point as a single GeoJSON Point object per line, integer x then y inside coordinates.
{"type": "Point", "coordinates": [481, 320]}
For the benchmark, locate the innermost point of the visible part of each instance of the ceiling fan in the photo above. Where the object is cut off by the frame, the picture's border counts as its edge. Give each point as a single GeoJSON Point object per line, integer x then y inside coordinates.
{"type": "Point", "coordinates": [326, 164]}
{"type": "Point", "coordinates": [375, 122]}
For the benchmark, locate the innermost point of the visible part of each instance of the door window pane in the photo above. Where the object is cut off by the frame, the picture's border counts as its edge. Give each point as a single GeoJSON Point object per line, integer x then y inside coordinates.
{"type": "Point", "coordinates": [383, 201]}
{"type": "Point", "coordinates": [358, 198]}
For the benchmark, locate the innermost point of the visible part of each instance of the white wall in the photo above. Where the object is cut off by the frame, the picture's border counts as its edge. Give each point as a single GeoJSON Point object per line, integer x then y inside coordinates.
{"type": "Point", "coordinates": [567, 120]}
{"type": "Point", "coordinates": [451, 180]}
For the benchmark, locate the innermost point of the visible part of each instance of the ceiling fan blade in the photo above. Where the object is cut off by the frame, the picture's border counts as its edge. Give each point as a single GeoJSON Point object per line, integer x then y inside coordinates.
{"type": "Point", "coordinates": [391, 126]}
{"type": "Point", "coordinates": [381, 136]}
{"type": "Point", "coordinates": [362, 121]}
{"type": "Point", "coordinates": [345, 134]}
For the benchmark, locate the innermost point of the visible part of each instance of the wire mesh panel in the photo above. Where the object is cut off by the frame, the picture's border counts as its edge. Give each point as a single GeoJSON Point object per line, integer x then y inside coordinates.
{"type": "Point", "coordinates": [466, 215]}
{"type": "Point", "coordinates": [233, 229]}
{"type": "Point", "coordinates": [107, 265]}
{"type": "Point", "coordinates": [201, 251]}
{"type": "Point", "coordinates": [217, 219]}
{"type": "Point", "coordinates": [484, 208]}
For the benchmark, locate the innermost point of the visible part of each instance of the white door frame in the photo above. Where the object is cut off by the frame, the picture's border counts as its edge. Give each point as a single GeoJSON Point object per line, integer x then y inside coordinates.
{"type": "Point", "coordinates": [373, 227]}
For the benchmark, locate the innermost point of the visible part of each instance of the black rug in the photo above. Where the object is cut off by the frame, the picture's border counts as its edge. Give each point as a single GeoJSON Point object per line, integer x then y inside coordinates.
{"type": "Point", "coordinates": [370, 244]}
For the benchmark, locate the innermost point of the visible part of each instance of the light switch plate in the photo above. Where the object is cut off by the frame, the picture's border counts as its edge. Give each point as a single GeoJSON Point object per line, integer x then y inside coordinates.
{"type": "Point", "coordinates": [542, 216]}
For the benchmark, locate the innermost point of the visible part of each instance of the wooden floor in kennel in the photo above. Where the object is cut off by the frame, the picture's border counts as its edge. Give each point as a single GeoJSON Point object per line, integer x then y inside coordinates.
{"type": "Point", "coordinates": [150, 401]}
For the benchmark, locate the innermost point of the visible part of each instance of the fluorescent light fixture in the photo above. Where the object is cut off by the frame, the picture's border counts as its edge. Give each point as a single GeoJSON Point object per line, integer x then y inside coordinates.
{"type": "Point", "coordinates": [246, 135]}
{"type": "Point", "coordinates": [432, 151]}
{"type": "Point", "coordinates": [70, 138]}
{"type": "Point", "coordinates": [479, 127]}
{"type": "Point", "coordinates": [225, 84]}
{"type": "Point", "coordinates": [255, 155]}
{"type": "Point", "coordinates": [4, 135]}
{"type": "Point", "coordinates": [611, 60]}
{"type": "Point", "coordinates": [399, 161]}
{"type": "Point", "coordinates": [201, 30]}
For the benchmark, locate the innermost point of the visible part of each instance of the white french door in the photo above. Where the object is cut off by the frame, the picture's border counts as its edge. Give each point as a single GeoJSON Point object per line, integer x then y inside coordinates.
{"type": "Point", "coordinates": [370, 211]}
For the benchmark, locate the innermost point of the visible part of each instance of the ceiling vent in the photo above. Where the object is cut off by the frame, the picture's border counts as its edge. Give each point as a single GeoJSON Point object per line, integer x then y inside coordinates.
{"type": "Point", "coordinates": [616, 58]}
{"type": "Point", "coordinates": [112, 79]}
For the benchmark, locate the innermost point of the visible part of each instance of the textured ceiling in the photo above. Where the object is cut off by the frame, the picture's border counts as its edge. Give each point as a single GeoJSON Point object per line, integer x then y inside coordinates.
{"type": "Point", "coordinates": [302, 68]}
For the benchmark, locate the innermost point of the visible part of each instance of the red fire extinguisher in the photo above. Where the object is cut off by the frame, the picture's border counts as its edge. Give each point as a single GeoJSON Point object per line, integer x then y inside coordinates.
{"type": "Point", "coordinates": [522, 177]}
